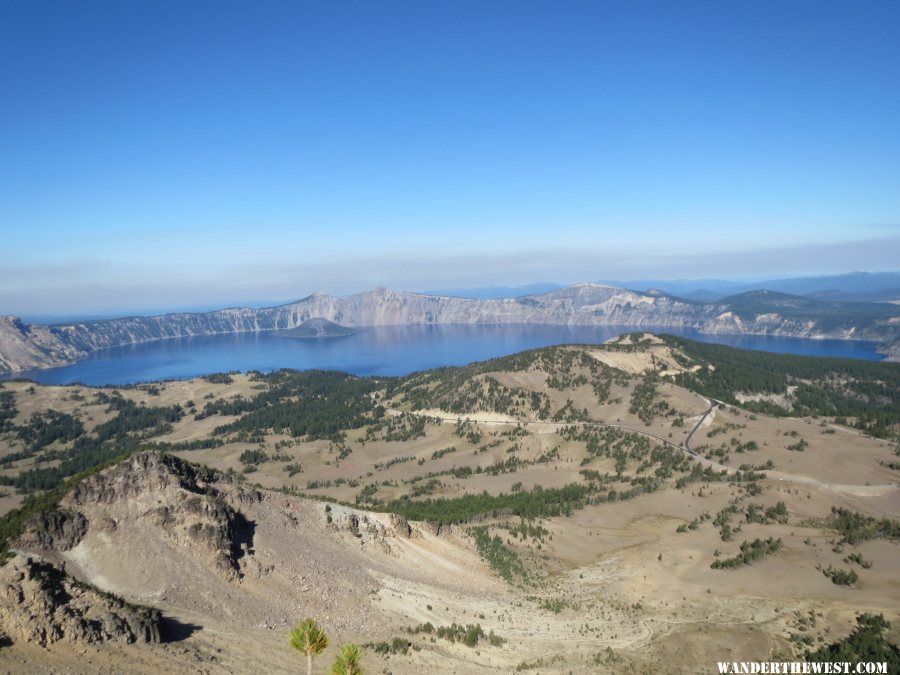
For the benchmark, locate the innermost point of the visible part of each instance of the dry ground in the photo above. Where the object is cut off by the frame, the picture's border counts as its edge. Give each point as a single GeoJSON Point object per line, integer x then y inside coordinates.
{"type": "Point", "coordinates": [615, 586]}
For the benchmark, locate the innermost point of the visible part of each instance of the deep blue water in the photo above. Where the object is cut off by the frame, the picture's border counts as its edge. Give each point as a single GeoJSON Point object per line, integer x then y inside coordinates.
{"type": "Point", "coordinates": [393, 350]}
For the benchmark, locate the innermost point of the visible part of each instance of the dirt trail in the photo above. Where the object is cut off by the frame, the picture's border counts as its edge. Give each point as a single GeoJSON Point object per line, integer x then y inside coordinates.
{"type": "Point", "coordinates": [495, 419]}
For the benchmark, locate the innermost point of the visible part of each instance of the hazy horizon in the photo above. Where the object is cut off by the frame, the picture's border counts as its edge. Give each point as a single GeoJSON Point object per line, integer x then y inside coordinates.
{"type": "Point", "coordinates": [160, 157]}
{"type": "Point", "coordinates": [479, 292]}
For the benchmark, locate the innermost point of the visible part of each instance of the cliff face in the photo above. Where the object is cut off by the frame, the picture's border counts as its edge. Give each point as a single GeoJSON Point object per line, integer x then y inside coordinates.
{"type": "Point", "coordinates": [166, 494]}
{"type": "Point", "coordinates": [25, 346]}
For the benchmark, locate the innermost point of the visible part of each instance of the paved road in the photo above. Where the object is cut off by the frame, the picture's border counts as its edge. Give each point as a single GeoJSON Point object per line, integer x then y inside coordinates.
{"type": "Point", "coordinates": [713, 404]}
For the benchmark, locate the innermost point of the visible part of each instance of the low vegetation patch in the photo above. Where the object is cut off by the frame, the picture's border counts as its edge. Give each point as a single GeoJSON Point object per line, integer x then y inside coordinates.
{"type": "Point", "coordinates": [866, 644]}
{"type": "Point", "coordinates": [750, 551]}
{"type": "Point", "coordinates": [542, 662]}
{"type": "Point", "coordinates": [498, 555]}
{"type": "Point", "coordinates": [538, 503]}
{"type": "Point", "coordinates": [855, 527]}
{"type": "Point", "coordinates": [398, 645]}
{"type": "Point", "coordinates": [859, 560]}
{"type": "Point", "coordinates": [841, 577]}
{"type": "Point", "coordinates": [469, 634]}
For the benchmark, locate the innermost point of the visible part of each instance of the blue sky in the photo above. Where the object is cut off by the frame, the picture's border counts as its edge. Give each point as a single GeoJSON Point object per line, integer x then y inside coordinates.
{"type": "Point", "coordinates": [168, 154]}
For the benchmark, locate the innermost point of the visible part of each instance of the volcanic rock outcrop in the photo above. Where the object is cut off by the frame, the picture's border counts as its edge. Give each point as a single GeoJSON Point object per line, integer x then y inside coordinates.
{"type": "Point", "coordinates": [40, 603]}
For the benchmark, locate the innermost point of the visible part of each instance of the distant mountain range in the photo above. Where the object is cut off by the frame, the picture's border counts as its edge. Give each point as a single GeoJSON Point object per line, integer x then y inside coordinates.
{"type": "Point", "coordinates": [494, 292]}
{"type": "Point", "coordinates": [24, 346]}
{"type": "Point", "coordinates": [853, 287]}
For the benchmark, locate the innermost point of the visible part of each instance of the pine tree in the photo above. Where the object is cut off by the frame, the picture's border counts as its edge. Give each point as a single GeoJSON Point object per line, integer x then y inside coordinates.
{"type": "Point", "coordinates": [309, 638]}
{"type": "Point", "coordinates": [348, 661]}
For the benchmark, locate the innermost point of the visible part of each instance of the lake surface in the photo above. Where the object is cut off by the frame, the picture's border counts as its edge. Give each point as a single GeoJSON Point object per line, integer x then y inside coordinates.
{"type": "Point", "coordinates": [390, 350]}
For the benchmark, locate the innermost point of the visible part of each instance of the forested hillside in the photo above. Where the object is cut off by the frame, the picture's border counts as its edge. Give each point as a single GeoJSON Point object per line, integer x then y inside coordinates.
{"type": "Point", "coordinates": [863, 393]}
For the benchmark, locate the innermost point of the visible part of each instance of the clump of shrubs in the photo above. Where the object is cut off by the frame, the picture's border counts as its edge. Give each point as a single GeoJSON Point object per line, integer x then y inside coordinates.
{"type": "Point", "coordinates": [750, 551]}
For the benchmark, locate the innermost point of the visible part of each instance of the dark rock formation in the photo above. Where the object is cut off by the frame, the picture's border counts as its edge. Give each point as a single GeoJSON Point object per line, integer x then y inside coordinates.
{"type": "Point", "coordinates": [401, 525]}
{"type": "Point", "coordinates": [39, 603]}
{"type": "Point", "coordinates": [54, 530]}
{"type": "Point", "coordinates": [188, 503]}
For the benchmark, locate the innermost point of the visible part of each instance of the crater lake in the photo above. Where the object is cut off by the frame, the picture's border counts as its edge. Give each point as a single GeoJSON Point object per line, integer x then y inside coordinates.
{"type": "Point", "coordinates": [387, 350]}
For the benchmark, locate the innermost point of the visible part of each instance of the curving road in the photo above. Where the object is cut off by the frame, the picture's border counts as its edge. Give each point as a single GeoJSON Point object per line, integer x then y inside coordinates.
{"type": "Point", "coordinates": [713, 404]}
